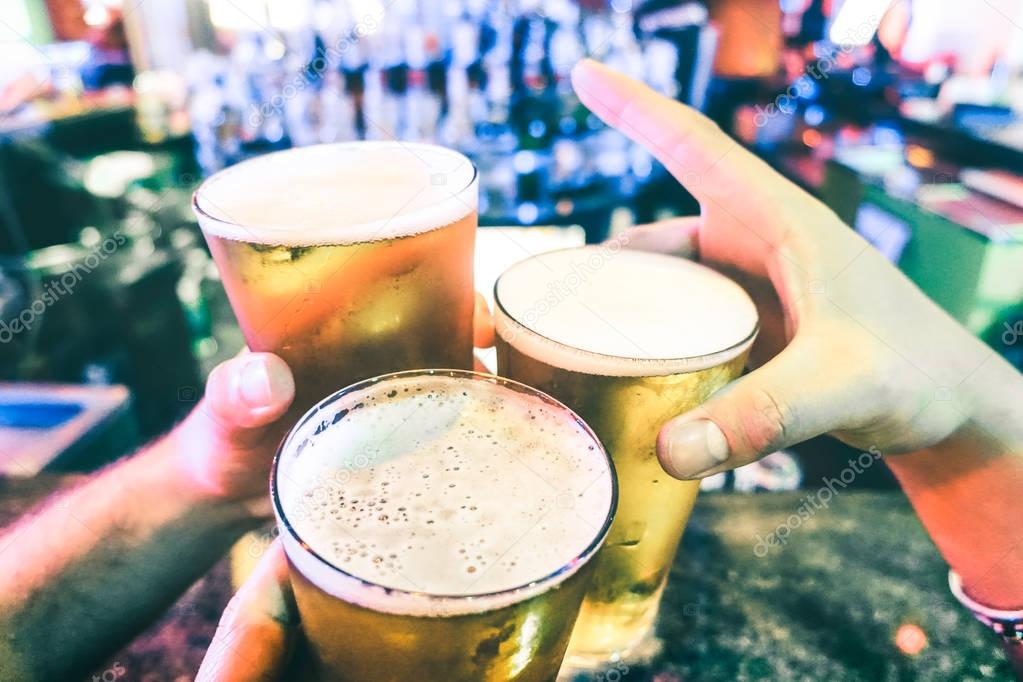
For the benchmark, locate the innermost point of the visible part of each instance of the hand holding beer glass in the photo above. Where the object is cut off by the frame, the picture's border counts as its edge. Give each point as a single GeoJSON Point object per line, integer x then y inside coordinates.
{"type": "Point", "coordinates": [347, 260]}
{"type": "Point", "coordinates": [439, 525]}
{"type": "Point", "coordinates": [366, 267]}
{"type": "Point", "coordinates": [628, 340]}
{"type": "Point", "coordinates": [824, 366]}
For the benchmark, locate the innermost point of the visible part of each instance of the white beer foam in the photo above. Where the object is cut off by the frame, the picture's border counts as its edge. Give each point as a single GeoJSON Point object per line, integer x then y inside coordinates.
{"type": "Point", "coordinates": [610, 311]}
{"type": "Point", "coordinates": [338, 194]}
{"type": "Point", "coordinates": [466, 490]}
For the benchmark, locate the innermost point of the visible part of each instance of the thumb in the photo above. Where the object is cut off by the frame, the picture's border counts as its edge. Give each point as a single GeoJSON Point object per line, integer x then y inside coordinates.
{"type": "Point", "coordinates": [228, 440]}
{"type": "Point", "coordinates": [786, 401]}
{"type": "Point", "coordinates": [253, 638]}
{"type": "Point", "coordinates": [247, 392]}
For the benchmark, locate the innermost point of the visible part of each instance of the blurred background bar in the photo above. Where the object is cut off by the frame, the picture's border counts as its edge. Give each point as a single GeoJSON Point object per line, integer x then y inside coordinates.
{"type": "Point", "coordinates": [111, 112]}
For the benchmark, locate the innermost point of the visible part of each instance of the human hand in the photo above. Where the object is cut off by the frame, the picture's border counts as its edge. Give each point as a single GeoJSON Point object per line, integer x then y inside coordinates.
{"type": "Point", "coordinates": [848, 345]}
{"type": "Point", "coordinates": [226, 444]}
{"type": "Point", "coordinates": [256, 634]}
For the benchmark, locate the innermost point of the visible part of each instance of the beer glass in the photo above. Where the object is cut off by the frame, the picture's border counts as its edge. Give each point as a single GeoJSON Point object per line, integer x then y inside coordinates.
{"type": "Point", "coordinates": [347, 260]}
{"type": "Point", "coordinates": [628, 340]}
{"type": "Point", "coordinates": [439, 526]}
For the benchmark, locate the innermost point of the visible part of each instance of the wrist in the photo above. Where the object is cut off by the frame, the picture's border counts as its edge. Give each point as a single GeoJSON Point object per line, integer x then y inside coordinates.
{"type": "Point", "coordinates": [961, 488]}
{"type": "Point", "coordinates": [969, 425]}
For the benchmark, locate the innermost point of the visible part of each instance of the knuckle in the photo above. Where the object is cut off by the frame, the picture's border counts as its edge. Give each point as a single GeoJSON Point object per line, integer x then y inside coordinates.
{"type": "Point", "coordinates": [769, 423]}
{"type": "Point", "coordinates": [885, 383]}
{"type": "Point", "coordinates": [889, 391]}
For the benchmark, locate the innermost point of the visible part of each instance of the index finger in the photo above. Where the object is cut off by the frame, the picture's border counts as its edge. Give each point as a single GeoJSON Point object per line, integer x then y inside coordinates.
{"type": "Point", "coordinates": [705, 160]}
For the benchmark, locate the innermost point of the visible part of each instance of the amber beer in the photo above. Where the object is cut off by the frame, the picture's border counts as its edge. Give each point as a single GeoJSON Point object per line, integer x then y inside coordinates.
{"type": "Point", "coordinates": [628, 340]}
{"type": "Point", "coordinates": [439, 526]}
{"type": "Point", "coordinates": [347, 260]}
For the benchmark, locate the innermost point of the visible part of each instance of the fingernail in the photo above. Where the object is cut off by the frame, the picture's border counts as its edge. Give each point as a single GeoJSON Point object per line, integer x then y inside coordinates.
{"type": "Point", "coordinates": [695, 447]}
{"type": "Point", "coordinates": [261, 383]}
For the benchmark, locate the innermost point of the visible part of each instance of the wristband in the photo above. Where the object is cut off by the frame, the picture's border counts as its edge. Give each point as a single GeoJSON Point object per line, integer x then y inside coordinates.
{"type": "Point", "coordinates": [1006, 624]}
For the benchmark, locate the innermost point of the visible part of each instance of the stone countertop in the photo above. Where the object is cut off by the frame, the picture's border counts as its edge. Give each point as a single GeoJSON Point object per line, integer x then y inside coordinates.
{"type": "Point", "coordinates": [827, 604]}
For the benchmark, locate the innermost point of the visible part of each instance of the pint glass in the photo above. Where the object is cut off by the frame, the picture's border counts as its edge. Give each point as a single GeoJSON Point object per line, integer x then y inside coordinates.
{"type": "Point", "coordinates": [347, 260]}
{"type": "Point", "coordinates": [439, 525]}
{"type": "Point", "coordinates": [628, 340]}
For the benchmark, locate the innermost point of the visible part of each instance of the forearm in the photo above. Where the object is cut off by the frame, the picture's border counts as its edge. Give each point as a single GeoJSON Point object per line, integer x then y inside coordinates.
{"type": "Point", "coordinates": [967, 489]}
{"type": "Point", "coordinates": [93, 566]}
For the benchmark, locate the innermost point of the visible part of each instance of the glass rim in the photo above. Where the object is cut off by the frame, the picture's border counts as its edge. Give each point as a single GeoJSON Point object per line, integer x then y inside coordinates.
{"type": "Point", "coordinates": [563, 572]}
{"type": "Point", "coordinates": [673, 365]}
{"type": "Point", "coordinates": [206, 215]}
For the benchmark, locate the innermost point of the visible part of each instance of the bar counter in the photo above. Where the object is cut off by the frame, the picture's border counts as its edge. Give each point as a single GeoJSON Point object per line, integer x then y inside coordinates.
{"type": "Point", "coordinates": [856, 592]}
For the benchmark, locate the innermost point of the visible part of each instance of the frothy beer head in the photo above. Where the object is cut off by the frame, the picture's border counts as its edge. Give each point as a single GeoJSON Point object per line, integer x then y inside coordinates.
{"type": "Point", "coordinates": [441, 484]}
{"type": "Point", "coordinates": [338, 194]}
{"type": "Point", "coordinates": [614, 312]}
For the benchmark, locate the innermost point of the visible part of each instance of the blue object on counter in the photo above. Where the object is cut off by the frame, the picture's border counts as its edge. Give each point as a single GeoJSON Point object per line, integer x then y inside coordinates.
{"type": "Point", "coordinates": [980, 117]}
{"type": "Point", "coordinates": [63, 427]}
{"type": "Point", "coordinates": [36, 415]}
